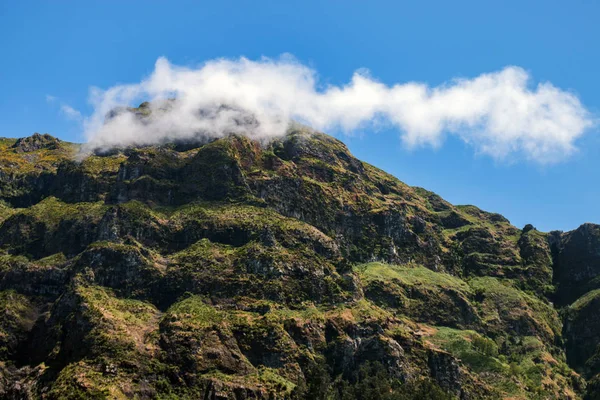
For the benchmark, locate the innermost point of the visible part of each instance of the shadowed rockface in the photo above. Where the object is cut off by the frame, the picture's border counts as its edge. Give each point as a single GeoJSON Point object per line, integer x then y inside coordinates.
{"type": "Point", "coordinates": [232, 269]}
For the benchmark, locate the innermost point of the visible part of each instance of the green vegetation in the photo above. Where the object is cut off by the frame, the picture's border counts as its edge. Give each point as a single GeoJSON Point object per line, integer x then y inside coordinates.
{"type": "Point", "coordinates": [361, 311]}
{"type": "Point", "coordinates": [120, 328]}
{"type": "Point", "coordinates": [370, 382]}
{"type": "Point", "coordinates": [35, 159]}
{"type": "Point", "coordinates": [79, 381]}
{"type": "Point", "coordinates": [409, 275]}
{"type": "Point", "coordinates": [51, 211]}
{"type": "Point", "coordinates": [195, 312]}
{"type": "Point", "coordinates": [5, 211]}
{"type": "Point", "coordinates": [54, 259]}
{"type": "Point", "coordinates": [478, 352]}
{"type": "Point", "coordinates": [17, 315]}
{"type": "Point", "coordinates": [96, 165]}
{"type": "Point", "coordinates": [289, 269]}
{"type": "Point", "coordinates": [585, 300]}
{"type": "Point", "coordinates": [503, 302]}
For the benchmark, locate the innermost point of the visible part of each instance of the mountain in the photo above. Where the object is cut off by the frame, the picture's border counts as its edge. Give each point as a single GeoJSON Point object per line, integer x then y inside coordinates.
{"type": "Point", "coordinates": [233, 269]}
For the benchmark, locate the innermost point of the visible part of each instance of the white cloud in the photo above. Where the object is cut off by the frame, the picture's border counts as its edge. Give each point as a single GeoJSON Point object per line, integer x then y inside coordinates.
{"type": "Point", "coordinates": [498, 113]}
{"type": "Point", "coordinates": [70, 112]}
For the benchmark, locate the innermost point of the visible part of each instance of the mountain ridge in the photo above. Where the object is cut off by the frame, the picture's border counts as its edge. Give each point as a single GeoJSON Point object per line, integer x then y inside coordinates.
{"type": "Point", "coordinates": [288, 269]}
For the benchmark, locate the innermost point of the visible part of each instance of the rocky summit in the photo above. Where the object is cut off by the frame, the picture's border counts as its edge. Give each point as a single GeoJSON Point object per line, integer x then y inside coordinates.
{"type": "Point", "coordinates": [233, 269]}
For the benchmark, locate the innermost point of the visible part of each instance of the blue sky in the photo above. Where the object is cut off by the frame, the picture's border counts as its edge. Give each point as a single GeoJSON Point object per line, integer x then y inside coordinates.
{"type": "Point", "coordinates": [61, 49]}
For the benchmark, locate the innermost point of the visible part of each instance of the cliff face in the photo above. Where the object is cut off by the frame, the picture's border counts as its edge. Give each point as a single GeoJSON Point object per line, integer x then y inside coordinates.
{"type": "Point", "coordinates": [577, 276]}
{"type": "Point", "coordinates": [234, 269]}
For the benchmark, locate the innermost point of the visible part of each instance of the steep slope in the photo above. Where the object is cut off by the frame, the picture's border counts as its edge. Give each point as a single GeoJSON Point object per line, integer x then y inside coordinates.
{"type": "Point", "coordinates": [289, 269]}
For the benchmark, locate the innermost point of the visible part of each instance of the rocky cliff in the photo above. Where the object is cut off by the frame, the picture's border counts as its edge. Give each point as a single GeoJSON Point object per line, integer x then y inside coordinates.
{"type": "Point", "coordinates": [233, 269]}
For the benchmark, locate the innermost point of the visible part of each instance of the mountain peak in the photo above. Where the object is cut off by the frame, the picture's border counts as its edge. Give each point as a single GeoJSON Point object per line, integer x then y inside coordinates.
{"type": "Point", "coordinates": [36, 142]}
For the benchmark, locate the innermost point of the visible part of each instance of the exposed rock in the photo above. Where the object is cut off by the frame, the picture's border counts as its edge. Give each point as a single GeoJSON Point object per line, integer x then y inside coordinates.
{"type": "Point", "coordinates": [233, 269]}
{"type": "Point", "coordinates": [577, 262]}
{"type": "Point", "coordinates": [36, 142]}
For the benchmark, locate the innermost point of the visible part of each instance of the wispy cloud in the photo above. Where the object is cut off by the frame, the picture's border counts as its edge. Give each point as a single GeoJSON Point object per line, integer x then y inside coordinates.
{"type": "Point", "coordinates": [68, 111]}
{"type": "Point", "coordinates": [499, 113]}
{"type": "Point", "coordinates": [71, 113]}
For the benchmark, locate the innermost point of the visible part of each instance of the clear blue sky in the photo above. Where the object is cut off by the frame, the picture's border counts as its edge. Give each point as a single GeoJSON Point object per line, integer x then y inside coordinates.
{"type": "Point", "coordinates": [63, 48]}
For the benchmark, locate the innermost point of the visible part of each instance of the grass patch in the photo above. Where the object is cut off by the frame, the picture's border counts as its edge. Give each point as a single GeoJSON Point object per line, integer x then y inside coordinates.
{"type": "Point", "coordinates": [52, 211]}
{"type": "Point", "coordinates": [501, 301]}
{"type": "Point", "coordinates": [130, 311]}
{"type": "Point", "coordinates": [95, 165]}
{"type": "Point", "coordinates": [54, 259]}
{"type": "Point", "coordinates": [5, 211]}
{"type": "Point", "coordinates": [361, 311]}
{"type": "Point", "coordinates": [474, 350]}
{"type": "Point", "coordinates": [194, 311]}
{"type": "Point", "coordinates": [584, 300]}
{"type": "Point", "coordinates": [409, 275]}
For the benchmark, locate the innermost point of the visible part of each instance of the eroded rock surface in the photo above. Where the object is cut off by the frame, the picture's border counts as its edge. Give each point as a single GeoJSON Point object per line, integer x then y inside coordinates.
{"type": "Point", "coordinates": [233, 269]}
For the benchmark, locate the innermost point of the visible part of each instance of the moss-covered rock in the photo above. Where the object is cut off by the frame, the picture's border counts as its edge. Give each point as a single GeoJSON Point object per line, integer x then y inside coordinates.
{"type": "Point", "coordinates": [582, 333]}
{"type": "Point", "coordinates": [17, 315]}
{"type": "Point", "coordinates": [420, 293]}
{"type": "Point", "coordinates": [237, 269]}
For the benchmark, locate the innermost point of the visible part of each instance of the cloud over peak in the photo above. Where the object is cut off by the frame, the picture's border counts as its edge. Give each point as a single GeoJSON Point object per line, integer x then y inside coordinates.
{"type": "Point", "coordinates": [498, 113]}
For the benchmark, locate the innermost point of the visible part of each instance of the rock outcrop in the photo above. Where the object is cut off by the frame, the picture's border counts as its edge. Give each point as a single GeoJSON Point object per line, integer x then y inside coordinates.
{"type": "Point", "coordinates": [234, 269]}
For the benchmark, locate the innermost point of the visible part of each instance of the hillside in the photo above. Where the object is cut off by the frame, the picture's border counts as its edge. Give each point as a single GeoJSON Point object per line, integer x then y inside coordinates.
{"type": "Point", "coordinates": [234, 269]}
